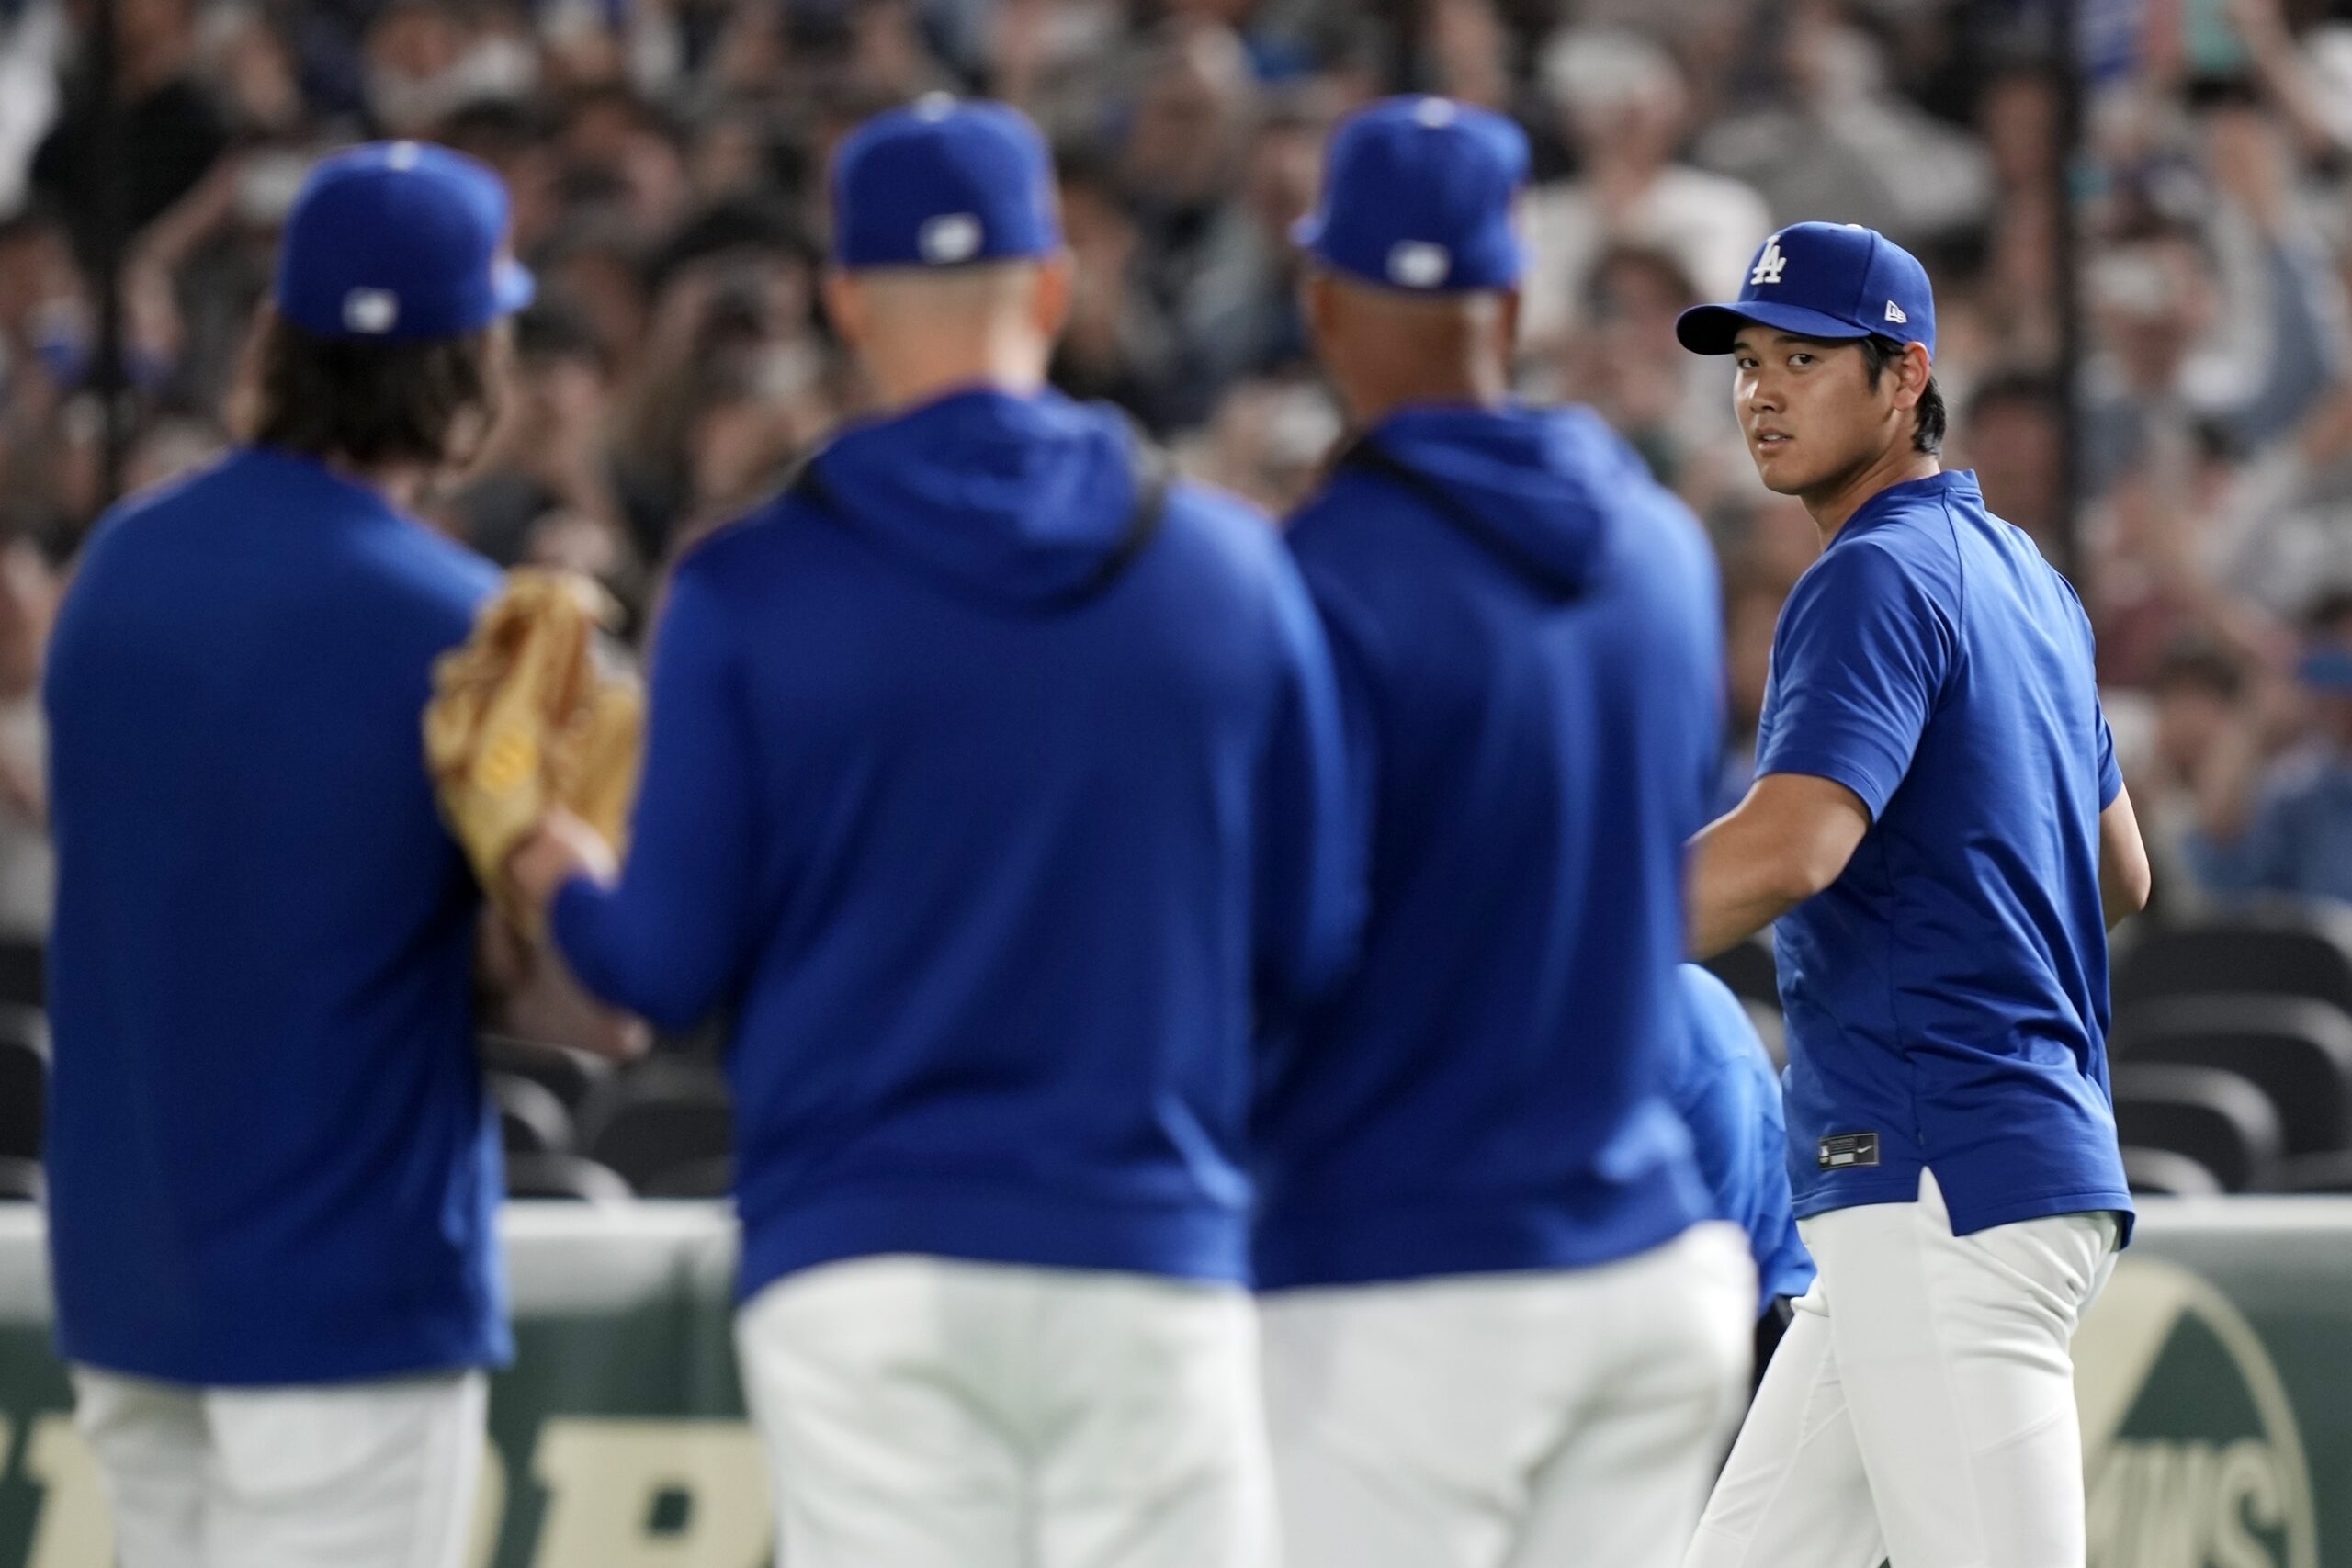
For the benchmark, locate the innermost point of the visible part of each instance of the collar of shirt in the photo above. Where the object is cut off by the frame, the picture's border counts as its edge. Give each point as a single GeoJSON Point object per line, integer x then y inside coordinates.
{"type": "Point", "coordinates": [1896, 499]}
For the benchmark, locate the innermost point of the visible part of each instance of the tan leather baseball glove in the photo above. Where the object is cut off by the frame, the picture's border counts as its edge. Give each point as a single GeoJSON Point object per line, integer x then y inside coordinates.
{"type": "Point", "coordinates": [526, 716]}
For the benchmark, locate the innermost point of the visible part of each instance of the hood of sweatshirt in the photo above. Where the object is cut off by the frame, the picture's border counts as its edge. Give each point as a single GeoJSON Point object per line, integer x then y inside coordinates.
{"type": "Point", "coordinates": [1025, 500]}
{"type": "Point", "coordinates": [1538, 484]}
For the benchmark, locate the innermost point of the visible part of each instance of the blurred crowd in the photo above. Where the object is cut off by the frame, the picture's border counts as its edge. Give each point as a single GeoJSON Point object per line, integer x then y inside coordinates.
{"type": "Point", "coordinates": [2181, 442]}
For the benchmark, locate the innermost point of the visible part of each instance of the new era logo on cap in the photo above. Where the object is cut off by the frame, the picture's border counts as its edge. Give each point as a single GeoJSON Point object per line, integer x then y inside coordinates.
{"type": "Point", "coordinates": [1894, 313]}
{"type": "Point", "coordinates": [1416, 264]}
{"type": "Point", "coordinates": [950, 238]}
{"type": "Point", "coordinates": [371, 312]}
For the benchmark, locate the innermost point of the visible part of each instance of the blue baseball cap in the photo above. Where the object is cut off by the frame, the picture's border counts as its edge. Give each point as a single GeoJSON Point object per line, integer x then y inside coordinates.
{"type": "Point", "coordinates": [1417, 196]}
{"type": "Point", "coordinates": [1822, 280]}
{"type": "Point", "coordinates": [396, 242]}
{"type": "Point", "coordinates": [944, 183]}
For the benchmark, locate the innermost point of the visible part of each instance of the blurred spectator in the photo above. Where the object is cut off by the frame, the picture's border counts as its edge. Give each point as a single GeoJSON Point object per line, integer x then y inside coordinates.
{"type": "Point", "coordinates": [2020, 117]}
{"type": "Point", "coordinates": [28, 593]}
{"type": "Point", "coordinates": [545, 491]}
{"type": "Point", "coordinates": [2287, 523]}
{"type": "Point", "coordinates": [32, 37]}
{"type": "Point", "coordinates": [2251, 350]}
{"type": "Point", "coordinates": [2205, 755]}
{"type": "Point", "coordinates": [2013, 434]}
{"type": "Point", "coordinates": [1752, 600]}
{"type": "Point", "coordinates": [172, 448]}
{"type": "Point", "coordinates": [1467, 47]}
{"type": "Point", "coordinates": [44, 353]}
{"type": "Point", "coordinates": [1196, 250]}
{"type": "Point", "coordinates": [2293, 832]}
{"type": "Point", "coordinates": [1842, 146]}
{"type": "Point", "coordinates": [1118, 345]}
{"type": "Point", "coordinates": [508, 137]}
{"type": "Point", "coordinates": [1242, 310]}
{"type": "Point", "coordinates": [732, 385]}
{"type": "Point", "coordinates": [621, 153]}
{"type": "Point", "coordinates": [599, 263]}
{"type": "Point", "coordinates": [426, 59]}
{"type": "Point", "coordinates": [1673, 406]}
{"type": "Point", "coordinates": [1271, 442]}
{"type": "Point", "coordinates": [1621, 104]}
{"type": "Point", "coordinates": [172, 126]}
{"type": "Point", "coordinates": [2152, 548]}
{"type": "Point", "coordinates": [667, 163]}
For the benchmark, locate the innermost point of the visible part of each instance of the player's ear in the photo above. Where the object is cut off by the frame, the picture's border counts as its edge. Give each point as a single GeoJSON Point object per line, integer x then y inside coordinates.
{"type": "Point", "coordinates": [1056, 282]}
{"type": "Point", "coordinates": [1912, 373]}
{"type": "Point", "coordinates": [844, 306]}
{"type": "Point", "coordinates": [1317, 301]}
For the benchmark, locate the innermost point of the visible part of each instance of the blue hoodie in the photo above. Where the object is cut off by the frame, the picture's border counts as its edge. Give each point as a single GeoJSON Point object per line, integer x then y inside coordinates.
{"type": "Point", "coordinates": [991, 838]}
{"type": "Point", "coordinates": [1729, 1096]}
{"type": "Point", "coordinates": [1526, 629]}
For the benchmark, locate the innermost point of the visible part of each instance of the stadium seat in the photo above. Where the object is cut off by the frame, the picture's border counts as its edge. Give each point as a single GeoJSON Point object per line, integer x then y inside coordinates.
{"type": "Point", "coordinates": [24, 1082]}
{"type": "Point", "coordinates": [2330, 1172]}
{"type": "Point", "coordinates": [531, 1119]}
{"type": "Point", "coordinates": [703, 1179]}
{"type": "Point", "coordinates": [659, 1117]}
{"type": "Point", "coordinates": [2282, 949]}
{"type": "Point", "coordinates": [2296, 1050]}
{"type": "Point", "coordinates": [1749, 971]}
{"type": "Point", "coordinates": [2216, 1118]}
{"type": "Point", "coordinates": [24, 968]}
{"type": "Point", "coordinates": [567, 1178]}
{"type": "Point", "coordinates": [20, 1181]}
{"type": "Point", "coordinates": [2160, 1173]}
{"type": "Point", "coordinates": [571, 1075]}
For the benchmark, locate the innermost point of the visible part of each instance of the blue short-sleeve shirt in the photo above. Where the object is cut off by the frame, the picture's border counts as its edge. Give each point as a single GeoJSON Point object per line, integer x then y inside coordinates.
{"type": "Point", "coordinates": [1947, 997]}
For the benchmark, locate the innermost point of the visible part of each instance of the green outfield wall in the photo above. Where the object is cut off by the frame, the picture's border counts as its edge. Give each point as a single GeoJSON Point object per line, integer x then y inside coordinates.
{"type": "Point", "coordinates": [2215, 1379]}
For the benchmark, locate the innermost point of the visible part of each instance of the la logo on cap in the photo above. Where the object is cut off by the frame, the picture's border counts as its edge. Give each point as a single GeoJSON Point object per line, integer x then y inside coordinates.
{"type": "Point", "coordinates": [1417, 264]}
{"type": "Point", "coordinates": [951, 237]}
{"type": "Point", "coordinates": [370, 312]}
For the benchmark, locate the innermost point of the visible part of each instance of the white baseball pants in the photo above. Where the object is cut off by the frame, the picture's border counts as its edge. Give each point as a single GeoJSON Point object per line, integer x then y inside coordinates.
{"type": "Point", "coordinates": [1509, 1420]}
{"type": "Point", "coordinates": [1922, 1406]}
{"type": "Point", "coordinates": [377, 1474]}
{"type": "Point", "coordinates": [926, 1413]}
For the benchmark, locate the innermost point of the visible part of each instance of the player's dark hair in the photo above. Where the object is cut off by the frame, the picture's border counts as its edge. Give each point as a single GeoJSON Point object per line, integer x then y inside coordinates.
{"type": "Point", "coordinates": [1929, 418]}
{"type": "Point", "coordinates": [366, 402]}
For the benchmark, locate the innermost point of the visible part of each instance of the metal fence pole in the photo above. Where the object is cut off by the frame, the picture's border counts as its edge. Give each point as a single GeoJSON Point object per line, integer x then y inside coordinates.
{"type": "Point", "coordinates": [2074, 337]}
{"type": "Point", "coordinates": [109, 375]}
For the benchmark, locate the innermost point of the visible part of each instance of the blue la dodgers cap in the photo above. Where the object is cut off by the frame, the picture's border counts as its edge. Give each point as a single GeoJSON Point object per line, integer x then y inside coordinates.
{"type": "Point", "coordinates": [396, 241]}
{"type": "Point", "coordinates": [1417, 195]}
{"type": "Point", "coordinates": [941, 183]}
{"type": "Point", "coordinates": [1822, 280]}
